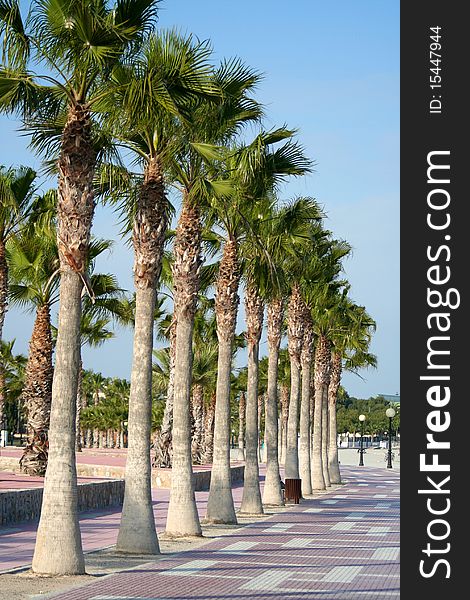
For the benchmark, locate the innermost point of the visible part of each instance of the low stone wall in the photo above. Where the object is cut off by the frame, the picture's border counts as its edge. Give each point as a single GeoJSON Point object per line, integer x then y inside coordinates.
{"type": "Point", "coordinates": [25, 505]}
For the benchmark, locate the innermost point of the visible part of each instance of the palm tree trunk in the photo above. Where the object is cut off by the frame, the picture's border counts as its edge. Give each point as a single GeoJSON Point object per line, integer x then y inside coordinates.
{"type": "Point", "coordinates": [220, 508]}
{"type": "Point", "coordinates": [241, 426]}
{"type": "Point", "coordinates": [335, 378]}
{"type": "Point", "coordinates": [198, 417]}
{"type": "Point", "coordinates": [254, 308]}
{"type": "Point", "coordinates": [260, 418]}
{"type": "Point", "coordinates": [272, 493]}
{"type": "Point", "coordinates": [183, 518]}
{"type": "Point", "coordinates": [324, 437]}
{"type": "Point", "coordinates": [284, 400]}
{"type": "Point", "coordinates": [163, 442]}
{"type": "Point", "coordinates": [3, 309]}
{"type": "Point", "coordinates": [3, 286]}
{"type": "Point", "coordinates": [304, 451]}
{"type": "Point", "coordinates": [79, 406]}
{"type": "Point", "coordinates": [37, 394]}
{"type": "Point", "coordinates": [321, 376]}
{"type": "Point", "coordinates": [209, 430]}
{"type": "Point", "coordinates": [295, 332]}
{"type": "Point", "coordinates": [137, 532]}
{"type": "Point", "coordinates": [58, 549]}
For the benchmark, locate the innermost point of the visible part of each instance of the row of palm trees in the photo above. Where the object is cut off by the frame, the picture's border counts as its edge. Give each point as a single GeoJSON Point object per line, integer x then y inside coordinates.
{"type": "Point", "coordinates": [124, 113]}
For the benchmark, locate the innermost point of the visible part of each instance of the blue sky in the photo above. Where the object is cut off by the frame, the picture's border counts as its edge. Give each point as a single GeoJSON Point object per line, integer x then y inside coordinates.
{"type": "Point", "coordinates": [332, 71]}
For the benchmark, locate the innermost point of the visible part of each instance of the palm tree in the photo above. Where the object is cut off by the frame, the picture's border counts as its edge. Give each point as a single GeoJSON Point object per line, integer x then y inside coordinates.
{"type": "Point", "coordinates": [305, 405]}
{"type": "Point", "coordinates": [78, 45]}
{"type": "Point", "coordinates": [12, 381]}
{"type": "Point", "coordinates": [34, 269]}
{"type": "Point", "coordinates": [283, 235]}
{"type": "Point", "coordinates": [322, 297]}
{"type": "Point", "coordinates": [255, 170]}
{"type": "Point", "coordinates": [211, 124]}
{"type": "Point", "coordinates": [170, 73]}
{"type": "Point", "coordinates": [16, 190]}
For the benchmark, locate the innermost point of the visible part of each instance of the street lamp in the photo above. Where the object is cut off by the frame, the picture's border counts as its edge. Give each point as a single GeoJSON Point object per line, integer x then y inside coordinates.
{"type": "Point", "coordinates": [390, 412]}
{"type": "Point", "coordinates": [362, 418]}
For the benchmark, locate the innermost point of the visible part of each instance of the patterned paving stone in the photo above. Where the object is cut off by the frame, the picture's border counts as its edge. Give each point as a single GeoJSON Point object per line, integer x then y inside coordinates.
{"type": "Point", "coordinates": [312, 551]}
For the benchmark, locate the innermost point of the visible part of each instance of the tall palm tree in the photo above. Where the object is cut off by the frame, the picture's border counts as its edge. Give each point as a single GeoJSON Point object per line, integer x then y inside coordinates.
{"type": "Point", "coordinates": [77, 46]}
{"type": "Point", "coordinates": [351, 335]}
{"type": "Point", "coordinates": [255, 169]}
{"type": "Point", "coordinates": [16, 189]}
{"type": "Point", "coordinates": [305, 405]}
{"type": "Point", "coordinates": [211, 124]}
{"type": "Point", "coordinates": [284, 235]}
{"type": "Point", "coordinates": [322, 297]}
{"type": "Point", "coordinates": [171, 73]}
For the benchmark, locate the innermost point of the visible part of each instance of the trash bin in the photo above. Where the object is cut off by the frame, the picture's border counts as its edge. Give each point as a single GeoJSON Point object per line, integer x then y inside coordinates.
{"type": "Point", "coordinates": [293, 491]}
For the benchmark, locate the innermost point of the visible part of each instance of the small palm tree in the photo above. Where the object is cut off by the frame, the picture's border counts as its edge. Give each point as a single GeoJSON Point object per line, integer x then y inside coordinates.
{"type": "Point", "coordinates": [16, 191]}
{"type": "Point", "coordinates": [34, 269]}
{"type": "Point", "coordinates": [12, 381]}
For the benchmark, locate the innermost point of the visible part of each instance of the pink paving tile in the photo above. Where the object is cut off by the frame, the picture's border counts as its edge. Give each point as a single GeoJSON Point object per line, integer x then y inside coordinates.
{"type": "Point", "coordinates": [303, 552]}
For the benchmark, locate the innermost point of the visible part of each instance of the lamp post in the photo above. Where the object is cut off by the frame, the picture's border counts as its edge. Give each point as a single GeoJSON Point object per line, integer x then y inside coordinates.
{"type": "Point", "coordinates": [362, 418]}
{"type": "Point", "coordinates": [390, 412]}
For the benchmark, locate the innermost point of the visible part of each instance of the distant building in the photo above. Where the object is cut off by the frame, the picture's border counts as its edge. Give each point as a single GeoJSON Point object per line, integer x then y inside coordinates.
{"type": "Point", "coordinates": [395, 398]}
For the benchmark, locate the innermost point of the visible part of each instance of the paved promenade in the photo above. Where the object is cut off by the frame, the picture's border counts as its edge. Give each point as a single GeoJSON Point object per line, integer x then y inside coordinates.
{"type": "Point", "coordinates": [341, 545]}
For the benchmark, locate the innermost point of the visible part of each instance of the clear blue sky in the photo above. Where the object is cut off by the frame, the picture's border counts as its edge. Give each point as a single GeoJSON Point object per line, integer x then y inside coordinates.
{"type": "Point", "coordinates": [331, 70]}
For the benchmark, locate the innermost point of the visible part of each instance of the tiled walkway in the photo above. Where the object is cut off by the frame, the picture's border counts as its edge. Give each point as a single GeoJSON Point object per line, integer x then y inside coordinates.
{"type": "Point", "coordinates": [342, 545]}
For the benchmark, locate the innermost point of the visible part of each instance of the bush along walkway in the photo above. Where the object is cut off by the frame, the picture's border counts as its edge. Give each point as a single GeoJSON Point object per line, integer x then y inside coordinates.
{"type": "Point", "coordinates": [341, 545]}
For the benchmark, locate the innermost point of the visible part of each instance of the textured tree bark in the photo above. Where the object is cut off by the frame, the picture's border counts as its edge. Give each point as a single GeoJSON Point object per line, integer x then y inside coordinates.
{"type": "Point", "coordinates": [209, 431]}
{"type": "Point", "coordinates": [183, 518]}
{"type": "Point", "coordinates": [137, 533]}
{"type": "Point", "coordinates": [321, 378]}
{"type": "Point", "coordinates": [284, 399]}
{"type": "Point", "coordinates": [260, 416]}
{"type": "Point", "coordinates": [78, 408]}
{"type": "Point", "coordinates": [272, 493]}
{"type": "Point", "coordinates": [241, 426]}
{"type": "Point", "coordinates": [3, 288]}
{"type": "Point", "coordinates": [254, 308]}
{"type": "Point", "coordinates": [304, 451]}
{"type": "Point", "coordinates": [220, 508]}
{"type": "Point", "coordinates": [37, 394]}
{"type": "Point", "coordinates": [163, 443]}
{"type": "Point", "coordinates": [335, 378]}
{"type": "Point", "coordinates": [324, 437]}
{"type": "Point", "coordinates": [58, 549]}
{"type": "Point", "coordinates": [198, 418]}
{"type": "Point", "coordinates": [295, 333]}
